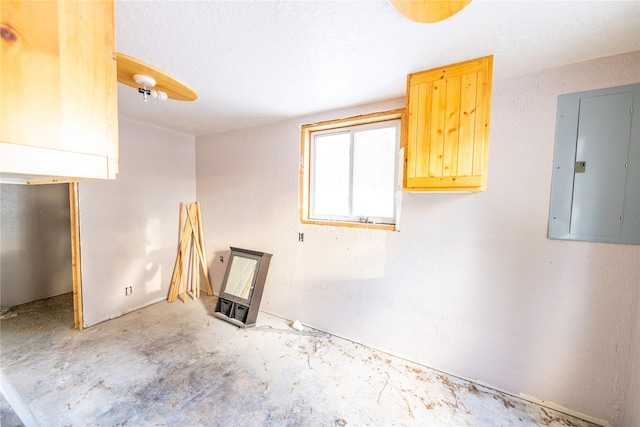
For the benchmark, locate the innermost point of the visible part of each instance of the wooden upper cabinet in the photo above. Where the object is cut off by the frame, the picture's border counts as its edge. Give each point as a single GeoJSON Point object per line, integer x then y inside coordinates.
{"type": "Point", "coordinates": [58, 105]}
{"type": "Point", "coordinates": [447, 137]}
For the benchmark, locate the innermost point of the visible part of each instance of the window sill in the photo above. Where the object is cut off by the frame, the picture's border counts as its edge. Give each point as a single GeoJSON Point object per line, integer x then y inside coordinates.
{"type": "Point", "coordinates": [367, 225]}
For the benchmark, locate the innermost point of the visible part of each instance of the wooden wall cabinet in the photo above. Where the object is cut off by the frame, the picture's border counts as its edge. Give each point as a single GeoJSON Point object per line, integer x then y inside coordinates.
{"type": "Point", "coordinates": [58, 106]}
{"type": "Point", "coordinates": [447, 137]}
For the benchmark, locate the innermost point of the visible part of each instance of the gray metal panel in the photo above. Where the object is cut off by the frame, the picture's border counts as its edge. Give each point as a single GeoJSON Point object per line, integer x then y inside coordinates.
{"type": "Point", "coordinates": [600, 199]}
{"type": "Point", "coordinates": [604, 131]}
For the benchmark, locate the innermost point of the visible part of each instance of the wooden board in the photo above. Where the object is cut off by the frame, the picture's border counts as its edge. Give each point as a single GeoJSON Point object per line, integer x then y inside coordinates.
{"type": "Point", "coordinates": [428, 11]}
{"type": "Point", "coordinates": [448, 127]}
{"type": "Point", "coordinates": [174, 88]}
{"type": "Point", "coordinates": [190, 261]}
{"type": "Point", "coordinates": [76, 270]}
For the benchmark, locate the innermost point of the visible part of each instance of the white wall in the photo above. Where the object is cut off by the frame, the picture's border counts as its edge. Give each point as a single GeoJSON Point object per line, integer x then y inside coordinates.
{"type": "Point", "coordinates": [35, 243]}
{"type": "Point", "coordinates": [631, 414]}
{"type": "Point", "coordinates": [470, 285]}
{"type": "Point", "coordinates": [129, 227]}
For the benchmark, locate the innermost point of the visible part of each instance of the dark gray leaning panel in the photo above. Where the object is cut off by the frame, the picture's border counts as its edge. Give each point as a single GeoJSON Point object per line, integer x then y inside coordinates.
{"type": "Point", "coordinates": [233, 306]}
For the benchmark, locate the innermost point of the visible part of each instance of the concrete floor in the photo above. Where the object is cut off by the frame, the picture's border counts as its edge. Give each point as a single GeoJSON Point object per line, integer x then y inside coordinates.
{"type": "Point", "coordinates": [177, 365]}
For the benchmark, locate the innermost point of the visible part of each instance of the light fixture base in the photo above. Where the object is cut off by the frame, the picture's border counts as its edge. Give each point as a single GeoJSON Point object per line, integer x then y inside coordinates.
{"type": "Point", "coordinates": [144, 80]}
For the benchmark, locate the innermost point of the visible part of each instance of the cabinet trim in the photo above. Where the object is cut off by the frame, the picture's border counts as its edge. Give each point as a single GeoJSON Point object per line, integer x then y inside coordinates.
{"type": "Point", "coordinates": [26, 164]}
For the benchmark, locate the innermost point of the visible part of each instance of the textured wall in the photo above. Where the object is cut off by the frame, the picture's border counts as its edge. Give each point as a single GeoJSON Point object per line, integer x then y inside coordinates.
{"type": "Point", "coordinates": [470, 285]}
{"type": "Point", "coordinates": [35, 243]}
{"type": "Point", "coordinates": [129, 227]}
{"type": "Point", "coordinates": [631, 414]}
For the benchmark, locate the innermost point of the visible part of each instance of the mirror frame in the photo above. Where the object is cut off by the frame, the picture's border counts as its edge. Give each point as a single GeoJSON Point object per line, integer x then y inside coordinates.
{"type": "Point", "coordinates": [243, 311]}
{"type": "Point", "coordinates": [242, 253]}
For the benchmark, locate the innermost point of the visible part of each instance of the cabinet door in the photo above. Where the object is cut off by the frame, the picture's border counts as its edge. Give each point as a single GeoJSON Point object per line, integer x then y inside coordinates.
{"type": "Point", "coordinates": [58, 83]}
{"type": "Point", "coordinates": [446, 147]}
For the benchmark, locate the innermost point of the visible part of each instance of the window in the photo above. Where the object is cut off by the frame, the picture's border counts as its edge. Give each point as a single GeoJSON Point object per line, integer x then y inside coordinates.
{"type": "Point", "coordinates": [349, 171]}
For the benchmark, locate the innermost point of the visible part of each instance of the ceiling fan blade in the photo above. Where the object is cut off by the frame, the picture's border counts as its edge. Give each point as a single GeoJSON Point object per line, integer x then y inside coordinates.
{"type": "Point", "coordinates": [428, 11]}
{"type": "Point", "coordinates": [174, 88]}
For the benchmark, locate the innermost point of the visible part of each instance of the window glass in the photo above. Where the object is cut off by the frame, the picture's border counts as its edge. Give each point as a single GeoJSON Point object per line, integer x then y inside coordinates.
{"type": "Point", "coordinates": [331, 175]}
{"type": "Point", "coordinates": [350, 170]}
{"type": "Point", "coordinates": [374, 164]}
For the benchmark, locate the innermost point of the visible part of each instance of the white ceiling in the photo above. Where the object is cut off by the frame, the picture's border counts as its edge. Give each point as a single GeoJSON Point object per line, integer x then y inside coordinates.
{"type": "Point", "coordinates": [254, 62]}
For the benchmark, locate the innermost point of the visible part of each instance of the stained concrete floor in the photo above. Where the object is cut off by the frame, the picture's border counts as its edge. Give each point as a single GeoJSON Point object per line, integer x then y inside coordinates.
{"type": "Point", "coordinates": [177, 365]}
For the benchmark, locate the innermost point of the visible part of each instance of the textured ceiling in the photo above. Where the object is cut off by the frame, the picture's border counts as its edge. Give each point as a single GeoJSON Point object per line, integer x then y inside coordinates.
{"type": "Point", "coordinates": [257, 62]}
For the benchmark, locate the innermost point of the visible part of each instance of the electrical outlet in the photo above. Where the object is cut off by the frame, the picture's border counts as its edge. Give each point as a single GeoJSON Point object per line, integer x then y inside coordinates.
{"type": "Point", "coordinates": [128, 290]}
{"type": "Point", "coordinates": [221, 258]}
{"type": "Point", "coordinates": [300, 237]}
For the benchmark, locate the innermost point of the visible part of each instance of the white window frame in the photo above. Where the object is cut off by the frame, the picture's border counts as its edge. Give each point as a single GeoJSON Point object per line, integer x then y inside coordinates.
{"type": "Point", "coordinates": [365, 122]}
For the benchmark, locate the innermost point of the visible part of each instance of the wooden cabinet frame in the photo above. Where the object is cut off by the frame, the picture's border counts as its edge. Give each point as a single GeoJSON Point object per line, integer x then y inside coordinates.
{"type": "Point", "coordinates": [447, 138]}
{"type": "Point", "coordinates": [59, 104]}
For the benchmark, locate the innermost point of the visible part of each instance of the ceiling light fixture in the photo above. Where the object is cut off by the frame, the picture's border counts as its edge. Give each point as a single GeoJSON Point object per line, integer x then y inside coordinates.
{"type": "Point", "coordinates": [145, 82]}
{"type": "Point", "coordinates": [137, 74]}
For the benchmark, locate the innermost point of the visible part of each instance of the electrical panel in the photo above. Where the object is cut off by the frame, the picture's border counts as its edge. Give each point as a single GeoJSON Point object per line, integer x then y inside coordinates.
{"type": "Point", "coordinates": [595, 194]}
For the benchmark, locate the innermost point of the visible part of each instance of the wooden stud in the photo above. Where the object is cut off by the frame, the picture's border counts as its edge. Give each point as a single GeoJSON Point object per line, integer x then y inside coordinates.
{"type": "Point", "coordinates": [174, 287]}
{"type": "Point", "coordinates": [76, 272]}
{"type": "Point", "coordinates": [191, 256]}
{"type": "Point", "coordinates": [204, 252]}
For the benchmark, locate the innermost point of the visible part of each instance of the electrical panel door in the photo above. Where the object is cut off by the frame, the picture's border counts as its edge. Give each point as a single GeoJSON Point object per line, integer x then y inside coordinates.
{"type": "Point", "coordinates": [596, 174]}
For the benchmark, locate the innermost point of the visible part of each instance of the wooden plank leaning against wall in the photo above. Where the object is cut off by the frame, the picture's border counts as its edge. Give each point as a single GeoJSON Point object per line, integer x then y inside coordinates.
{"type": "Point", "coordinates": [76, 272]}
